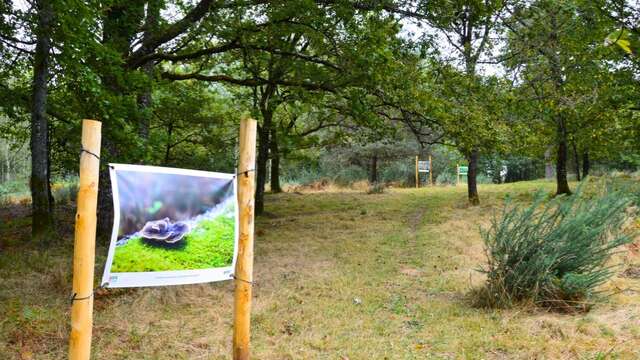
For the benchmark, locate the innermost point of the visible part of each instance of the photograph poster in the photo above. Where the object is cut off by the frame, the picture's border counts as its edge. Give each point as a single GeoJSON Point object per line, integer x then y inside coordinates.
{"type": "Point", "coordinates": [171, 227]}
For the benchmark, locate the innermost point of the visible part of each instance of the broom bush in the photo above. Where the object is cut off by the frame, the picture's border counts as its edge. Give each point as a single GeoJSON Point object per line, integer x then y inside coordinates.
{"type": "Point", "coordinates": [553, 253]}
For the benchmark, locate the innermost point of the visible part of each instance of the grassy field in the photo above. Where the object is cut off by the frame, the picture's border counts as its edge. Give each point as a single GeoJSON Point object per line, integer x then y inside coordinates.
{"type": "Point", "coordinates": [339, 275]}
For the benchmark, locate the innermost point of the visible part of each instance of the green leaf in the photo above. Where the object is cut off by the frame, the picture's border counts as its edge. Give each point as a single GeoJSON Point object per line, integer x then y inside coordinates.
{"type": "Point", "coordinates": [620, 38]}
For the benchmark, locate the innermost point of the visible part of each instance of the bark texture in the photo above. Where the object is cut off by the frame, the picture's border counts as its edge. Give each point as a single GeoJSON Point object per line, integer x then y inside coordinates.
{"type": "Point", "coordinates": [373, 173]}
{"type": "Point", "coordinates": [549, 170]}
{"type": "Point", "coordinates": [261, 163]}
{"type": "Point", "coordinates": [121, 22]}
{"type": "Point", "coordinates": [472, 184]}
{"type": "Point", "coordinates": [576, 160]}
{"type": "Point", "coordinates": [41, 198]}
{"type": "Point", "coordinates": [145, 99]}
{"type": "Point", "coordinates": [562, 184]}
{"type": "Point", "coordinates": [275, 163]}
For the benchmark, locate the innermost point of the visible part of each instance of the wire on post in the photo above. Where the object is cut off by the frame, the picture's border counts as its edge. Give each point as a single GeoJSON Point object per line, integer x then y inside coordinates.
{"type": "Point", "coordinates": [89, 152]}
{"type": "Point", "coordinates": [243, 280]}
{"type": "Point", "coordinates": [246, 172]}
{"type": "Point", "coordinates": [74, 296]}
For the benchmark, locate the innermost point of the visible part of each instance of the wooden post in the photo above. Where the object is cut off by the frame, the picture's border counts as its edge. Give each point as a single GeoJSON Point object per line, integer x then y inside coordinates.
{"type": "Point", "coordinates": [85, 243]}
{"type": "Point", "coordinates": [417, 175]}
{"type": "Point", "coordinates": [458, 174]}
{"type": "Point", "coordinates": [244, 264]}
{"type": "Point", "coordinates": [430, 171]}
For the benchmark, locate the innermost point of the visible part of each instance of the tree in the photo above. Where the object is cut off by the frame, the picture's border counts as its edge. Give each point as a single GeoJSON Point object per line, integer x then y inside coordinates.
{"type": "Point", "coordinates": [468, 27]}
{"type": "Point", "coordinates": [555, 51]}
{"type": "Point", "coordinates": [192, 125]}
{"type": "Point", "coordinates": [20, 30]}
{"type": "Point", "coordinates": [481, 102]}
{"type": "Point", "coordinates": [126, 65]}
{"type": "Point", "coordinates": [41, 198]}
{"type": "Point", "coordinates": [293, 51]}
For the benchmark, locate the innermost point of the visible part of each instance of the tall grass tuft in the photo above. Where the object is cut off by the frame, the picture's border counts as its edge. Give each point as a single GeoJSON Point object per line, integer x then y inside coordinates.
{"type": "Point", "coordinates": [553, 253]}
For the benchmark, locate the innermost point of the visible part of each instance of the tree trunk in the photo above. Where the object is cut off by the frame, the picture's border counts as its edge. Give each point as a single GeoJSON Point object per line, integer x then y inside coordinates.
{"type": "Point", "coordinates": [7, 174]}
{"type": "Point", "coordinates": [167, 148]}
{"type": "Point", "coordinates": [105, 196]}
{"type": "Point", "coordinates": [562, 185]}
{"type": "Point", "coordinates": [275, 163]}
{"type": "Point", "coordinates": [549, 171]}
{"type": "Point", "coordinates": [264, 132]}
{"type": "Point", "coordinates": [472, 185]}
{"type": "Point", "coordinates": [586, 164]}
{"type": "Point", "coordinates": [145, 99]}
{"type": "Point", "coordinates": [552, 54]}
{"type": "Point", "coordinates": [41, 198]}
{"type": "Point", "coordinates": [120, 24]}
{"type": "Point", "coordinates": [576, 160]}
{"type": "Point", "coordinates": [373, 174]}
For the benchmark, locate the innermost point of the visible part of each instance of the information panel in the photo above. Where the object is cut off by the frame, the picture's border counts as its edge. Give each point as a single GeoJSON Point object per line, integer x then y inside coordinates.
{"type": "Point", "coordinates": [424, 166]}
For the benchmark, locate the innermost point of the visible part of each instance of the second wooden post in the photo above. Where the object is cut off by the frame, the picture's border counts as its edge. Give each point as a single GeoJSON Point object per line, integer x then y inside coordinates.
{"type": "Point", "coordinates": [430, 171]}
{"type": "Point", "coordinates": [85, 243]}
{"type": "Point", "coordinates": [244, 264]}
{"type": "Point", "coordinates": [417, 174]}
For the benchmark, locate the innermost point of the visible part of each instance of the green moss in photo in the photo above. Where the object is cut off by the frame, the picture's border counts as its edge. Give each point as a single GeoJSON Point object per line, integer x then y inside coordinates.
{"type": "Point", "coordinates": [208, 245]}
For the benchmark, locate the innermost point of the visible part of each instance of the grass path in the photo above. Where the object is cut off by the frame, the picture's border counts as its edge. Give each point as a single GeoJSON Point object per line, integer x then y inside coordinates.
{"type": "Point", "coordinates": [338, 276]}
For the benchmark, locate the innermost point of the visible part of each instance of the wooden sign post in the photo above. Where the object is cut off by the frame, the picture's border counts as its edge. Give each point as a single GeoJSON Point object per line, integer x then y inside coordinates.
{"type": "Point", "coordinates": [244, 263]}
{"type": "Point", "coordinates": [417, 174]}
{"type": "Point", "coordinates": [85, 243]}
{"type": "Point", "coordinates": [430, 171]}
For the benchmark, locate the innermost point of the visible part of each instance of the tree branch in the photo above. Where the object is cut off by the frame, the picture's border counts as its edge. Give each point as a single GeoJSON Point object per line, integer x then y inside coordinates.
{"type": "Point", "coordinates": [250, 82]}
{"type": "Point", "coordinates": [175, 29]}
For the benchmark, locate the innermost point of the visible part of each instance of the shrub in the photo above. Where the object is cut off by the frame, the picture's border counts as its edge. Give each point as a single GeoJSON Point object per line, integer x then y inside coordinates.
{"type": "Point", "coordinates": [14, 190]}
{"type": "Point", "coordinates": [301, 176]}
{"type": "Point", "coordinates": [349, 175]}
{"type": "Point", "coordinates": [398, 171]}
{"type": "Point", "coordinates": [447, 178]}
{"type": "Point", "coordinates": [14, 187]}
{"type": "Point", "coordinates": [483, 179]}
{"type": "Point", "coordinates": [553, 253]}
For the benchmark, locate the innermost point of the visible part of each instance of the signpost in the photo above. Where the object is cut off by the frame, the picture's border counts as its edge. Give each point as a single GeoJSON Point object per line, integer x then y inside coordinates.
{"type": "Point", "coordinates": [417, 174]}
{"type": "Point", "coordinates": [85, 243]}
{"type": "Point", "coordinates": [462, 170]}
{"type": "Point", "coordinates": [244, 265]}
{"type": "Point", "coordinates": [423, 166]}
{"type": "Point", "coordinates": [430, 171]}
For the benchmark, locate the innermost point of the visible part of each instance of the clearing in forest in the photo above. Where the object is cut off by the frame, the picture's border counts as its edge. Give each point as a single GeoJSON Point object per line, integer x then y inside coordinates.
{"type": "Point", "coordinates": [339, 275]}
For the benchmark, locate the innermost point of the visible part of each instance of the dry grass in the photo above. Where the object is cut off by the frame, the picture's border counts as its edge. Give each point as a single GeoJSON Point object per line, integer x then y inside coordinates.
{"type": "Point", "coordinates": [340, 275]}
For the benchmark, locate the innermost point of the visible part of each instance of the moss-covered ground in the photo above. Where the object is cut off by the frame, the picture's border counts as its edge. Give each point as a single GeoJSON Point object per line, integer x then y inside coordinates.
{"type": "Point", "coordinates": [208, 245]}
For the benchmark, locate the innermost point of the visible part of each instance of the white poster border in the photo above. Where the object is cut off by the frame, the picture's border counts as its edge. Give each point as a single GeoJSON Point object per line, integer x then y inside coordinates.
{"type": "Point", "coordinates": [164, 278]}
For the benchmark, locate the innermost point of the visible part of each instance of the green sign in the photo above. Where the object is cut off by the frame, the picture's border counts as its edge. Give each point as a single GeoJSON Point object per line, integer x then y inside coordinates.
{"type": "Point", "coordinates": [463, 170]}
